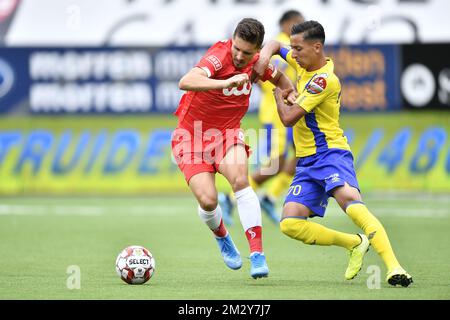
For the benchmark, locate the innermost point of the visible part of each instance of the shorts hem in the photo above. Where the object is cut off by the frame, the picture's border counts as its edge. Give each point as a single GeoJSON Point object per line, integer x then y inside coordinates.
{"type": "Point", "coordinates": [314, 213]}
{"type": "Point", "coordinates": [195, 172]}
{"type": "Point", "coordinates": [340, 185]}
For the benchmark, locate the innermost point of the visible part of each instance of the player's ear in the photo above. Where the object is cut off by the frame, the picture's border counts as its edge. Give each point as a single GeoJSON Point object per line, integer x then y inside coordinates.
{"type": "Point", "coordinates": [317, 46]}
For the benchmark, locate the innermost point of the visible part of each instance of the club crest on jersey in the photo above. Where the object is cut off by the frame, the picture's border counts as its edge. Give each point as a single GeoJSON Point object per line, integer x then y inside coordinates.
{"type": "Point", "coordinates": [246, 89]}
{"type": "Point", "coordinates": [317, 85]}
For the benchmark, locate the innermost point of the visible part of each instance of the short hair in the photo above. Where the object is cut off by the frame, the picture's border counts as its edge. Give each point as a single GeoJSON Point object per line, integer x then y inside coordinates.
{"type": "Point", "coordinates": [312, 30]}
{"type": "Point", "coordinates": [250, 30]}
{"type": "Point", "coordinates": [288, 15]}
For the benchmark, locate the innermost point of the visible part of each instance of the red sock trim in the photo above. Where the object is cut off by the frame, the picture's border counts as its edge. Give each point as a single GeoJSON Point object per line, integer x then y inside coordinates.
{"type": "Point", "coordinates": [221, 231]}
{"type": "Point", "coordinates": [254, 237]}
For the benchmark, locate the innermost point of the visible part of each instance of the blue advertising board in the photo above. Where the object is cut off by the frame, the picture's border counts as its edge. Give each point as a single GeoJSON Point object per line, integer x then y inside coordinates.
{"type": "Point", "coordinates": [93, 80]}
{"type": "Point", "coordinates": [369, 76]}
{"type": "Point", "coordinates": [145, 80]}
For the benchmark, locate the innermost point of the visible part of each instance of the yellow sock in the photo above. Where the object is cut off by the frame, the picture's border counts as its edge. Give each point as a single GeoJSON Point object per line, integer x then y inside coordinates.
{"type": "Point", "coordinates": [313, 233]}
{"type": "Point", "coordinates": [279, 185]}
{"type": "Point", "coordinates": [252, 183]}
{"type": "Point", "coordinates": [374, 230]}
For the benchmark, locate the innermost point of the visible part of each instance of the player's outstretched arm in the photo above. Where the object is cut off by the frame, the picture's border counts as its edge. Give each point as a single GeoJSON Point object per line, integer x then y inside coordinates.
{"type": "Point", "coordinates": [197, 80]}
{"type": "Point", "coordinates": [289, 113]}
{"type": "Point", "coordinates": [270, 48]}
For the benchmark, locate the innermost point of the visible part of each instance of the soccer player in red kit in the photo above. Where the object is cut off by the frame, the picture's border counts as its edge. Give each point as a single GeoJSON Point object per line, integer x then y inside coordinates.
{"type": "Point", "coordinates": [208, 138]}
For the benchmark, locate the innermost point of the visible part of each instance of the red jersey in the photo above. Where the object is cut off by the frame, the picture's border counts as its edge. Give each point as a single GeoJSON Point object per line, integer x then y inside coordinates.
{"type": "Point", "coordinates": [223, 108]}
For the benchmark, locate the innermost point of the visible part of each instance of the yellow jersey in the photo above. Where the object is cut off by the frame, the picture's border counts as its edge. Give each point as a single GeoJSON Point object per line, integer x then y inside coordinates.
{"type": "Point", "coordinates": [319, 94]}
{"type": "Point", "coordinates": [267, 106]}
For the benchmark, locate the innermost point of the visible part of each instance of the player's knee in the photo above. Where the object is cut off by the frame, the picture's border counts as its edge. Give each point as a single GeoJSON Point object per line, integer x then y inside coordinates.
{"type": "Point", "coordinates": [208, 202]}
{"type": "Point", "coordinates": [296, 229]}
{"type": "Point", "coordinates": [239, 183]}
{"type": "Point", "coordinates": [286, 227]}
{"type": "Point", "coordinates": [291, 226]}
{"type": "Point", "coordinates": [346, 195]}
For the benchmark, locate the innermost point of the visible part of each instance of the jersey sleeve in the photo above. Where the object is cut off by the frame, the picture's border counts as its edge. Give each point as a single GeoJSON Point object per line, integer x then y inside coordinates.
{"type": "Point", "coordinates": [286, 54]}
{"type": "Point", "coordinates": [270, 73]}
{"type": "Point", "coordinates": [212, 61]}
{"type": "Point", "coordinates": [316, 90]}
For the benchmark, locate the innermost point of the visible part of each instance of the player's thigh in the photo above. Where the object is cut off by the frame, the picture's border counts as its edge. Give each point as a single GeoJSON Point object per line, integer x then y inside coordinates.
{"type": "Point", "coordinates": [346, 194]}
{"type": "Point", "coordinates": [234, 167]}
{"type": "Point", "coordinates": [204, 189]}
{"type": "Point", "coordinates": [295, 209]}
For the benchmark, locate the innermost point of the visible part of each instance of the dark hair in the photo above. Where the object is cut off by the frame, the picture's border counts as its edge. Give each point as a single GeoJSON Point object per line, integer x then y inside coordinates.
{"type": "Point", "coordinates": [312, 30]}
{"type": "Point", "coordinates": [288, 15]}
{"type": "Point", "coordinates": [250, 30]}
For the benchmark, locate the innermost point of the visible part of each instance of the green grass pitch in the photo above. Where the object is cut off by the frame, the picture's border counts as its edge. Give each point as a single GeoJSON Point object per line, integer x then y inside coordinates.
{"type": "Point", "coordinates": [41, 237]}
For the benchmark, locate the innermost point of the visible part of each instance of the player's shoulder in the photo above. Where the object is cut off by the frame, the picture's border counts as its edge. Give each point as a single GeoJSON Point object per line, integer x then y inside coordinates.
{"type": "Point", "coordinates": [332, 79]}
{"type": "Point", "coordinates": [328, 74]}
{"type": "Point", "coordinates": [222, 45]}
{"type": "Point", "coordinates": [329, 70]}
{"type": "Point", "coordinates": [217, 54]}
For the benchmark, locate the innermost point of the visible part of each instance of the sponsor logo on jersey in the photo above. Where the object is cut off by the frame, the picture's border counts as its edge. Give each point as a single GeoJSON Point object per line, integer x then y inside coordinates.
{"type": "Point", "coordinates": [215, 62]}
{"type": "Point", "coordinates": [246, 89]}
{"type": "Point", "coordinates": [316, 85]}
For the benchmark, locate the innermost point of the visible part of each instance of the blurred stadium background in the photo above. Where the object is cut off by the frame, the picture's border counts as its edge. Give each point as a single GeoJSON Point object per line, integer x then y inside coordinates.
{"type": "Point", "coordinates": [87, 89]}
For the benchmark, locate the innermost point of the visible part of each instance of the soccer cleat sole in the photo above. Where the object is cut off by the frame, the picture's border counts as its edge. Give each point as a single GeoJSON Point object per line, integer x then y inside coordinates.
{"type": "Point", "coordinates": [354, 275]}
{"type": "Point", "coordinates": [234, 267]}
{"type": "Point", "coordinates": [400, 279]}
{"type": "Point", "coordinates": [261, 275]}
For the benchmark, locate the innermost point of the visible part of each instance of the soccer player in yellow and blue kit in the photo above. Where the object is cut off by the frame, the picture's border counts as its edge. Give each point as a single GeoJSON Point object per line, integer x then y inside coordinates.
{"type": "Point", "coordinates": [279, 138]}
{"type": "Point", "coordinates": [325, 162]}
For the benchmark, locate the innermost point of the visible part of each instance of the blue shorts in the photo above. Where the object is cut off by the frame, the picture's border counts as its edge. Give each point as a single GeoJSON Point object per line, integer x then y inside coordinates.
{"type": "Point", "coordinates": [317, 175]}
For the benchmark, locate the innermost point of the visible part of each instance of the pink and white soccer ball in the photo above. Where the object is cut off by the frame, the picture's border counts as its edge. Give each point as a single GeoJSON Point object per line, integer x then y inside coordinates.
{"type": "Point", "coordinates": [135, 265]}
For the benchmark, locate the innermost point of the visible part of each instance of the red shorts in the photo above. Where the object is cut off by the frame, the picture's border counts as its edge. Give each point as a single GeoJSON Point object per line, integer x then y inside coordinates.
{"type": "Point", "coordinates": [204, 151]}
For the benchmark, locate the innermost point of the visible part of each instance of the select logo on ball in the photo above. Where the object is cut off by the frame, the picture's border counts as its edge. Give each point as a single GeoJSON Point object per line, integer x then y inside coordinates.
{"type": "Point", "coordinates": [135, 265]}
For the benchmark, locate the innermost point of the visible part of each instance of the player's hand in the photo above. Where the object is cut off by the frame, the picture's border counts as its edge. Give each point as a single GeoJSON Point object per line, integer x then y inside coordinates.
{"type": "Point", "coordinates": [237, 80]}
{"type": "Point", "coordinates": [288, 94]}
{"type": "Point", "coordinates": [291, 96]}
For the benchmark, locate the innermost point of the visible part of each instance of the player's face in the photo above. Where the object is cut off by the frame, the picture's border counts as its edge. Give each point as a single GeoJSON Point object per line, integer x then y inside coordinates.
{"type": "Point", "coordinates": [303, 51]}
{"type": "Point", "coordinates": [242, 52]}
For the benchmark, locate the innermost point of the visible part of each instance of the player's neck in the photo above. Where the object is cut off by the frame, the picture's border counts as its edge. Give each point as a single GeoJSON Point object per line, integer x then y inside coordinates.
{"type": "Point", "coordinates": [319, 64]}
